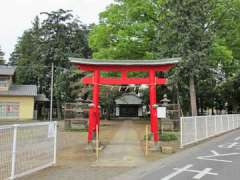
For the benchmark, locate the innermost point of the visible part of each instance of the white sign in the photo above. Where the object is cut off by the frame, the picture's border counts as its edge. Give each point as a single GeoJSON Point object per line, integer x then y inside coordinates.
{"type": "Point", "coordinates": [161, 112]}
{"type": "Point", "coordinates": [51, 130]}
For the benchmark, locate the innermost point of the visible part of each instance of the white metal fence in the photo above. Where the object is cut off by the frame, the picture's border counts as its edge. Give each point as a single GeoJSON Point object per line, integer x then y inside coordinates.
{"type": "Point", "coordinates": [26, 148]}
{"type": "Point", "coordinates": [197, 128]}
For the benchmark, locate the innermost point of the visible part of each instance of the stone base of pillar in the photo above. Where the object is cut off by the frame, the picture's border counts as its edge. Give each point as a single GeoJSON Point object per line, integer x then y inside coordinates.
{"type": "Point", "coordinates": [92, 146]}
{"type": "Point", "coordinates": [154, 146]}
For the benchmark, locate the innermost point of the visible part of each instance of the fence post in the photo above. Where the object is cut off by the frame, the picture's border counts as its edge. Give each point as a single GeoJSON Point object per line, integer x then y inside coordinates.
{"type": "Point", "coordinates": [234, 122]}
{"type": "Point", "coordinates": [222, 123]}
{"type": "Point", "coordinates": [237, 121]}
{"type": "Point", "coordinates": [228, 123]}
{"type": "Point", "coordinates": [195, 127]}
{"type": "Point", "coordinates": [215, 124]}
{"type": "Point", "coordinates": [206, 121]}
{"type": "Point", "coordinates": [181, 132]}
{"type": "Point", "coordinates": [55, 143]}
{"type": "Point", "coordinates": [14, 151]}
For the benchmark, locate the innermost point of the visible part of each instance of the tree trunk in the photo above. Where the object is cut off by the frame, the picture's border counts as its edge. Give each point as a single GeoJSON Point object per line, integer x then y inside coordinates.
{"type": "Point", "coordinates": [193, 96]}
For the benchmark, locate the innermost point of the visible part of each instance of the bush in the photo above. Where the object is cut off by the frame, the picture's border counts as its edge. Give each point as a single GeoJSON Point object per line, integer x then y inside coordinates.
{"type": "Point", "coordinates": [163, 137]}
{"type": "Point", "coordinates": [168, 137]}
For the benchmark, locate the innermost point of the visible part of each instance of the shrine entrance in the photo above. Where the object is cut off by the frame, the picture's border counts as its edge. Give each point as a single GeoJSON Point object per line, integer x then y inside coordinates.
{"type": "Point", "coordinates": [124, 67]}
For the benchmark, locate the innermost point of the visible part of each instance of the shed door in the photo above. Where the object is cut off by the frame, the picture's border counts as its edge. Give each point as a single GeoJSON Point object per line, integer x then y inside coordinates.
{"type": "Point", "coordinates": [129, 111]}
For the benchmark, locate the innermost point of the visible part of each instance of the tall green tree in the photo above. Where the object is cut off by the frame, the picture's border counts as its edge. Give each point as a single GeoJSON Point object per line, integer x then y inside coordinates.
{"type": "Point", "coordinates": [1, 56]}
{"type": "Point", "coordinates": [189, 32]}
{"type": "Point", "coordinates": [125, 31]}
{"type": "Point", "coordinates": [51, 41]}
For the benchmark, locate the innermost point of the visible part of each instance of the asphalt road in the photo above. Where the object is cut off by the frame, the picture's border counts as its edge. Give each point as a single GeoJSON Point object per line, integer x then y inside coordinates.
{"type": "Point", "coordinates": [216, 159]}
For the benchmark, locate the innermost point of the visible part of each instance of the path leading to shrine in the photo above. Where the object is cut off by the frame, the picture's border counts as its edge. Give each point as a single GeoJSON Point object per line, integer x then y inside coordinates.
{"type": "Point", "coordinates": [123, 150]}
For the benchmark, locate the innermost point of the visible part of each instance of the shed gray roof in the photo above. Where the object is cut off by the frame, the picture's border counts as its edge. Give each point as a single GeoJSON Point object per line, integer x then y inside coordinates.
{"type": "Point", "coordinates": [41, 98]}
{"type": "Point", "coordinates": [125, 62]}
{"type": "Point", "coordinates": [128, 99]}
{"type": "Point", "coordinates": [7, 70]}
{"type": "Point", "coordinates": [20, 90]}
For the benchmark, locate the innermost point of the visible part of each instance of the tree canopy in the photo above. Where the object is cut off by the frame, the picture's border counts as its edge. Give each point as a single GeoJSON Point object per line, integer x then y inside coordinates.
{"type": "Point", "coordinates": [204, 33]}
{"type": "Point", "coordinates": [1, 56]}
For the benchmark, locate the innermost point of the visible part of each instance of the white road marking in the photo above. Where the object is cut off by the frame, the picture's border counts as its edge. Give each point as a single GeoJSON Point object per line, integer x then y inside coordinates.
{"type": "Point", "coordinates": [199, 175]}
{"type": "Point", "coordinates": [216, 154]}
{"type": "Point", "coordinates": [179, 171]}
{"type": "Point", "coordinates": [230, 145]}
{"type": "Point", "coordinates": [237, 139]}
{"type": "Point", "coordinates": [203, 173]}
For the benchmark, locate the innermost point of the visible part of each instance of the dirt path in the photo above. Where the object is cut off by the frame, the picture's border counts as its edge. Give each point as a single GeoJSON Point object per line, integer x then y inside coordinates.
{"type": "Point", "coordinates": [123, 150]}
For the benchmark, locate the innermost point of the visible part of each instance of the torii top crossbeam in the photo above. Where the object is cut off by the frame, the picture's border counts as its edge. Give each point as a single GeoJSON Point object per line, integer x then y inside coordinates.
{"type": "Point", "coordinates": [123, 66]}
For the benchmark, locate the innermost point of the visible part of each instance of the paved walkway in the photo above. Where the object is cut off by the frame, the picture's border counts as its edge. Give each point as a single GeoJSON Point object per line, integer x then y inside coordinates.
{"type": "Point", "coordinates": [123, 150]}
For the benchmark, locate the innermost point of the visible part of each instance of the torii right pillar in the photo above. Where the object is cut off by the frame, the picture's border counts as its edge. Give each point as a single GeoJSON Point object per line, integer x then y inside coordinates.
{"type": "Point", "coordinates": [153, 101]}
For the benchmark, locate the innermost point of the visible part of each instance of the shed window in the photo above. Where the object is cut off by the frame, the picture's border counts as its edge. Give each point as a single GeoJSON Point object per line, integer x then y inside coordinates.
{"type": "Point", "coordinates": [9, 110]}
{"type": "Point", "coordinates": [3, 82]}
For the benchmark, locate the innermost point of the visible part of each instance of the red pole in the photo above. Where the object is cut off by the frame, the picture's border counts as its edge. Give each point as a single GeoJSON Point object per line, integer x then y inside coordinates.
{"type": "Point", "coordinates": [94, 110]}
{"type": "Point", "coordinates": [153, 101]}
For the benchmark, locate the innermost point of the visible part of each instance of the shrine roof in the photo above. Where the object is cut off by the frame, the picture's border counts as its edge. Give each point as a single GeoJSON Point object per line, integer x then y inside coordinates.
{"type": "Point", "coordinates": [125, 62]}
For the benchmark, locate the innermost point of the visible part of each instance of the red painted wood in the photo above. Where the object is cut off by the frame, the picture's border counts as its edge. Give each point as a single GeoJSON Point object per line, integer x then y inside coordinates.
{"type": "Point", "coordinates": [153, 101]}
{"type": "Point", "coordinates": [117, 68]}
{"type": "Point", "coordinates": [94, 117]}
{"type": "Point", "coordinates": [123, 81]}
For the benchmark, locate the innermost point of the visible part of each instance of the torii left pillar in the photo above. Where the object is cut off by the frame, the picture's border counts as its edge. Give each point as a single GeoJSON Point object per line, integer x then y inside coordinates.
{"type": "Point", "coordinates": [153, 101]}
{"type": "Point", "coordinates": [94, 116]}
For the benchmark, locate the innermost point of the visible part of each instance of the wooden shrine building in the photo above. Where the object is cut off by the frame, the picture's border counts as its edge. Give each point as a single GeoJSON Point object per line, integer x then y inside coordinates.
{"type": "Point", "coordinates": [129, 105]}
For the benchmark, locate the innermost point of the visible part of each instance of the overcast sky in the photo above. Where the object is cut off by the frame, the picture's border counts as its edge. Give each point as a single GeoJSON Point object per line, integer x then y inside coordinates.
{"type": "Point", "coordinates": [17, 15]}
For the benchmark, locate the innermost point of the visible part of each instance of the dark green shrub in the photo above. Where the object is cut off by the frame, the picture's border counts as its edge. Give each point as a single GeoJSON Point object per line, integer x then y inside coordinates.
{"type": "Point", "coordinates": [168, 137]}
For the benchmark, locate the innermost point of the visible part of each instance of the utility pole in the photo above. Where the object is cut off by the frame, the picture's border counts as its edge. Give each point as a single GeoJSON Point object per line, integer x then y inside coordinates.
{"type": "Point", "coordinates": [51, 101]}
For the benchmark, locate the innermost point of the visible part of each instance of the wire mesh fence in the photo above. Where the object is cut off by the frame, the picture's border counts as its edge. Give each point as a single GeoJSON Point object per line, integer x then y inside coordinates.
{"type": "Point", "coordinates": [197, 128]}
{"type": "Point", "coordinates": [26, 148]}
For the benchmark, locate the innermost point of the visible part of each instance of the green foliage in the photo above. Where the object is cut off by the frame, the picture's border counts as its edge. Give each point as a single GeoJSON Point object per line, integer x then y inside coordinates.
{"type": "Point", "coordinates": [52, 40]}
{"type": "Point", "coordinates": [168, 137]}
{"type": "Point", "coordinates": [1, 56]}
{"type": "Point", "coordinates": [124, 31]}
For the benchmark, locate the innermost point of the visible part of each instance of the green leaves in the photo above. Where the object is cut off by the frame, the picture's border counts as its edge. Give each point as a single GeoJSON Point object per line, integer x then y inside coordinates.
{"type": "Point", "coordinates": [125, 31]}
{"type": "Point", "coordinates": [1, 56]}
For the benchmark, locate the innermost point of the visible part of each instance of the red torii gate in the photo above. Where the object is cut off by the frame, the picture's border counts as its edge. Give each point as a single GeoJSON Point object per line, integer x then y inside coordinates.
{"type": "Point", "coordinates": [123, 66]}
